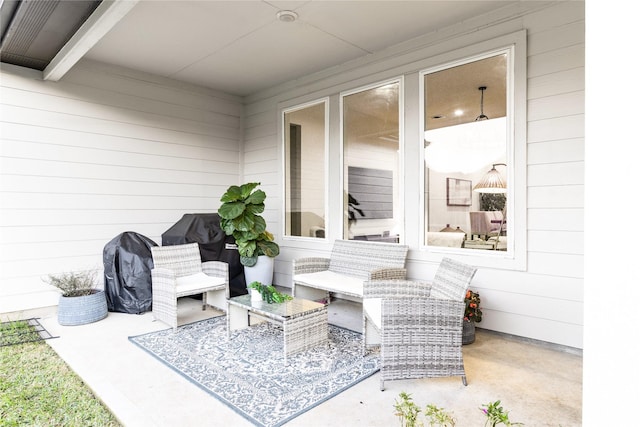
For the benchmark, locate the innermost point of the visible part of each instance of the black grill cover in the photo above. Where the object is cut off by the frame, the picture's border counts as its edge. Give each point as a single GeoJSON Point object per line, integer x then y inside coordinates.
{"type": "Point", "coordinates": [127, 273]}
{"type": "Point", "coordinates": [215, 245]}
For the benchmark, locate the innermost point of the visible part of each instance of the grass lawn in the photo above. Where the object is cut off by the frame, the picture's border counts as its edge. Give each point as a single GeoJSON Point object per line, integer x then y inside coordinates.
{"type": "Point", "coordinates": [37, 388]}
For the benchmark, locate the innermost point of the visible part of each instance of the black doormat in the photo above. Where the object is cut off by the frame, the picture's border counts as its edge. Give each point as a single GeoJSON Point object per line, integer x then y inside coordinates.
{"type": "Point", "coordinates": [22, 331]}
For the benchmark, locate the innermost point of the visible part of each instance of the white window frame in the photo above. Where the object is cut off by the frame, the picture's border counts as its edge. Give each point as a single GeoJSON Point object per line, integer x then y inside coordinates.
{"type": "Point", "coordinates": [282, 132]}
{"type": "Point", "coordinates": [401, 151]}
{"type": "Point", "coordinates": [516, 254]}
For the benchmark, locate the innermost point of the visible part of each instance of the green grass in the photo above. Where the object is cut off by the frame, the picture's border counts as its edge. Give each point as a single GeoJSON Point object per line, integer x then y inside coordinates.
{"type": "Point", "coordinates": [37, 388]}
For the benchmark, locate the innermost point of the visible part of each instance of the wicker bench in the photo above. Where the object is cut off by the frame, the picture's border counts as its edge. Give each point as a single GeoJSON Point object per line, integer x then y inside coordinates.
{"type": "Point", "coordinates": [352, 262]}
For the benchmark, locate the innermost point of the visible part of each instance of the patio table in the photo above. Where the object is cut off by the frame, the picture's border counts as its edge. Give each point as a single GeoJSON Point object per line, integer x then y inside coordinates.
{"type": "Point", "coordinates": [304, 322]}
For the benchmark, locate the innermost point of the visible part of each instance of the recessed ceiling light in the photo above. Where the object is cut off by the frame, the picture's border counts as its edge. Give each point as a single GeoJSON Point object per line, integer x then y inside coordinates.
{"type": "Point", "coordinates": [458, 112]}
{"type": "Point", "coordinates": [287, 16]}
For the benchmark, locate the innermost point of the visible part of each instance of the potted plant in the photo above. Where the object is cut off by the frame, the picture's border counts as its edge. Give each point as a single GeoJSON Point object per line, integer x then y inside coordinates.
{"type": "Point", "coordinates": [240, 217]}
{"type": "Point", "coordinates": [269, 293]}
{"type": "Point", "coordinates": [472, 315]}
{"type": "Point", "coordinates": [80, 302]}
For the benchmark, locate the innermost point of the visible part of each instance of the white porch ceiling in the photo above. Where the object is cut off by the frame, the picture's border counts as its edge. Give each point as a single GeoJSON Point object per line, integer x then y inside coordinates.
{"type": "Point", "coordinates": [240, 47]}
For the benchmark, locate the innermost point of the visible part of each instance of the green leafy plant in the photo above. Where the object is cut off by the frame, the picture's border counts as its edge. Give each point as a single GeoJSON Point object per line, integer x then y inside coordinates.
{"type": "Point", "coordinates": [240, 217]}
{"type": "Point", "coordinates": [472, 311]}
{"type": "Point", "coordinates": [497, 415]}
{"type": "Point", "coordinates": [407, 411]}
{"type": "Point", "coordinates": [439, 417]}
{"type": "Point", "coordinates": [269, 293]}
{"type": "Point", "coordinates": [74, 283]}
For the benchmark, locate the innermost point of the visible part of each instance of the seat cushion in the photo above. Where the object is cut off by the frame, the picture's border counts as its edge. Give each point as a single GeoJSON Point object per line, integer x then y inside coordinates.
{"type": "Point", "coordinates": [332, 282]}
{"type": "Point", "coordinates": [372, 308]}
{"type": "Point", "coordinates": [197, 283]}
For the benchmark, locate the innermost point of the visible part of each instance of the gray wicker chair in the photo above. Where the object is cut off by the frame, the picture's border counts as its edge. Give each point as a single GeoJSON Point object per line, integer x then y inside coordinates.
{"type": "Point", "coordinates": [178, 271]}
{"type": "Point", "coordinates": [418, 326]}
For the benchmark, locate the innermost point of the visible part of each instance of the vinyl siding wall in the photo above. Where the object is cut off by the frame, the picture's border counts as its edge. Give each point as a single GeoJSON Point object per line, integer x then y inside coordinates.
{"type": "Point", "coordinates": [103, 151]}
{"type": "Point", "coordinates": [545, 301]}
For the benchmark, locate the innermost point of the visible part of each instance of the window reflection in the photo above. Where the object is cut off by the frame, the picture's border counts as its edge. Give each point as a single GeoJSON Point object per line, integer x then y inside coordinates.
{"type": "Point", "coordinates": [465, 116]}
{"type": "Point", "coordinates": [371, 129]}
{"type": "Point", "coordinates": [305, 135]}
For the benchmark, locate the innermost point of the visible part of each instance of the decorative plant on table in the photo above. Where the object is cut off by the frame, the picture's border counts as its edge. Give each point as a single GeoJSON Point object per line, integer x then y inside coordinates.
{"type": "Point", "coordinates": [240, 217]}
{"type": "Point", "coordinates": [269, 293]}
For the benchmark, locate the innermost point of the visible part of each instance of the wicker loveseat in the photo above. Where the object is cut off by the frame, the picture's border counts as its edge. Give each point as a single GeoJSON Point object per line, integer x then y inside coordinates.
{"type": "Point", "coordinates": [352, 262]}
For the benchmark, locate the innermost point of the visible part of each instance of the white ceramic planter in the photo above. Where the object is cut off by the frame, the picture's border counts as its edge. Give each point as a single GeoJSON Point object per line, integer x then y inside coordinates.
{"type": "Point", "coordinates": [255, 295]}
{"type": "Point", "coordinates": [261, 272]}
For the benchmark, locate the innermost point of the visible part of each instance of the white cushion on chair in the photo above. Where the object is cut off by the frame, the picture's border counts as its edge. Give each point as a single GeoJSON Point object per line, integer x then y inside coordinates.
{"type": "Point", "coordinates": [196, 283]}
{"type": "Point", "coordinates": [373, 309]}
{"type": "Point", "coordinates": [332, 282]}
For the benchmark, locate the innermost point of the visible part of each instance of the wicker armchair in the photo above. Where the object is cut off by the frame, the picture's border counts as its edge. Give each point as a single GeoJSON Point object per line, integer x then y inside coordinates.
{"type": "Point", "coordinates": [418, 326]}
{"type": "Point", "coordinates": [178, 271]}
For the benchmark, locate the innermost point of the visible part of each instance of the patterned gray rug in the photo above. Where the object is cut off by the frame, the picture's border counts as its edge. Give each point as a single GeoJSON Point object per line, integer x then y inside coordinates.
{"type": "Point", "coordinates": [247, 372]}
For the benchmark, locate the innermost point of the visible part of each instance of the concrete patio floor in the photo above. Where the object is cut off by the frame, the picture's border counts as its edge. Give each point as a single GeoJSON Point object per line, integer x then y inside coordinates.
{"type": "Point", "coordinates": [539, 384]}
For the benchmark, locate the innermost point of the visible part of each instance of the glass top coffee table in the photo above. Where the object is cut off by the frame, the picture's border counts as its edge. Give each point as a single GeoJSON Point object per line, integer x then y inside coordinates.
{"type": "Point", "coordinates": [304, 323]}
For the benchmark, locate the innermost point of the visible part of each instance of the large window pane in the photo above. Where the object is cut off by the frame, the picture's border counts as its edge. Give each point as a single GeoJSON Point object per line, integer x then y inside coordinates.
{"type": "Point", "coordinates": [371, 130]}
{"type": "Point", "coordinates": [305, 141]}
{"type": "Point", "coordinates": [466, 136]}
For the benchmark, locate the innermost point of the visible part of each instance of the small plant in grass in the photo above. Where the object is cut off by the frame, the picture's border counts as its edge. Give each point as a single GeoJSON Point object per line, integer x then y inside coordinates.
{"type": "Point", "coordinates": [497, 415]}
{"type": "Point", "coordinates": [439, 417]}
{"type": "Point", "coordinates": [269, 293]}
{"type": "Point", "coordinates": [407, 411]}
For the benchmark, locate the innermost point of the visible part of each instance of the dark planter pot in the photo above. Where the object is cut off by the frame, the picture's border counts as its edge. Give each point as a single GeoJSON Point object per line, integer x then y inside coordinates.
{"type": "Point", "coordinates": [81, 310]}
{"type": "Point", "coordinates": [468, 332]}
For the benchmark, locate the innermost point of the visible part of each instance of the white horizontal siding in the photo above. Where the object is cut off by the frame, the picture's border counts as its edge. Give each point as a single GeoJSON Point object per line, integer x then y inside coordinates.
{"type": "Point", "coordinates": [101, 152]}
{"type": "Point", "coordinates": [558, 151]}
{"type": "Point", "coordinates": [559, 242]}
{"type": "Point", "coordinates": [546, 301]}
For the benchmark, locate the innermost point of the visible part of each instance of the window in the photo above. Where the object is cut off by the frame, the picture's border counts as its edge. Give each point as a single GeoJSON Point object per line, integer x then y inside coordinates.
{"type": "Point", "coordinates": [467, 111]}
{"type": "Point", "coordinates": [411, 176]}
{"type": "Point", "coordinates": [371, 124]}
{"type": "Point", "coordinates": [305, 145]}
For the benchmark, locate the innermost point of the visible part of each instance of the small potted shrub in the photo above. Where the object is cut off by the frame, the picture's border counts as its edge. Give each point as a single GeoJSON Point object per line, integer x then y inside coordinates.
{"type": "Point", "coordinates": [472, 315]}
{"type": "Point", "coordinates": [268, 293]}
{"type": "Point", "coordinates": [80, 302]}
{"type": "Point", "coordinates": [240, 217]}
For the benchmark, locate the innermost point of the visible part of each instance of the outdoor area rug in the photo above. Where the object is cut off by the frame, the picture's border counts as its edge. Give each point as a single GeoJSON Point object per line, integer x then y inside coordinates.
{"type": "Point", "coordinates": [248, 372]}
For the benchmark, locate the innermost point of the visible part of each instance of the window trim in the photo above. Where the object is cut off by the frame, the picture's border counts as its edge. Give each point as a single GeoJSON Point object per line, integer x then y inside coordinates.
{"type": "Point", "coordinates": [401, 151]}
{"type": "Point", "coordinates": [282, 131]}
{"type": "Point", "coordinates": [515, 257]}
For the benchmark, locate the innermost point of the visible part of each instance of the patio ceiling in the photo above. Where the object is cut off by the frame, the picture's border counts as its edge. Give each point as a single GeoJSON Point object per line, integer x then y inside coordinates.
{"type": "Point", "coordinates": [238, 47]}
